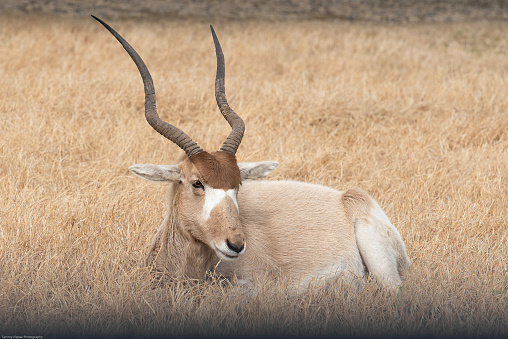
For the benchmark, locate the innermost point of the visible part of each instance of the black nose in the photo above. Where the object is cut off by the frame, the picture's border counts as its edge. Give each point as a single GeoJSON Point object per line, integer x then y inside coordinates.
{"type": "Point", "coordinates": [235, 248]}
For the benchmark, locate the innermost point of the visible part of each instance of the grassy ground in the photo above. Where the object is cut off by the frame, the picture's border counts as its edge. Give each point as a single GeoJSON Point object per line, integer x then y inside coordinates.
{"type": "Point", "coordinates": [416, 115]}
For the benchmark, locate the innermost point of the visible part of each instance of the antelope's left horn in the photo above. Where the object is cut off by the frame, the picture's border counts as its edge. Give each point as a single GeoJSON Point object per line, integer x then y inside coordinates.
{"type": "Point", "coordinates": [235, 137]}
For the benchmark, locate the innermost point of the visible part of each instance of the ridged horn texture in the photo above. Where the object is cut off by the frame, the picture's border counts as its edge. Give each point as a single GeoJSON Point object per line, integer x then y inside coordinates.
{"type": "Point", "coordinates": [167, 130]}
{"type": "Point", "coordinates": [235, 137]}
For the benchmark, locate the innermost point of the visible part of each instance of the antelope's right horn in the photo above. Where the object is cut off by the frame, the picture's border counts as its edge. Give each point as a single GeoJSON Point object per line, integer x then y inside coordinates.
{"type": "Point", "coordinates": [166, 130]}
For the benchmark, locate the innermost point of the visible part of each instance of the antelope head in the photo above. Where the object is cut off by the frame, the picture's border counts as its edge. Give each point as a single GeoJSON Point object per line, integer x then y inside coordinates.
{"type": "Point", "coordinates": [208, 182]}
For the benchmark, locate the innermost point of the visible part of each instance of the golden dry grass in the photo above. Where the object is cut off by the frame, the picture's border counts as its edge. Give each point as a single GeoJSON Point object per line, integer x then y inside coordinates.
{"type": "Point", "coordinates": [416, 115]}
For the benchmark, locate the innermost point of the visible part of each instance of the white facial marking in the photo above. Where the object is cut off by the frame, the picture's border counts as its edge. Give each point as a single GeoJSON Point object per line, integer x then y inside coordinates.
{"type": "Point", "coordinates": [214, 196]}
{"type": "Point", "coordinates": [232, 194]}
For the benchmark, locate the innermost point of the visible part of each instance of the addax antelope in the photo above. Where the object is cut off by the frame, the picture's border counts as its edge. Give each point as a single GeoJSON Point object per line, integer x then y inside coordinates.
{"type": "Point", "coordinates": [222, 217]}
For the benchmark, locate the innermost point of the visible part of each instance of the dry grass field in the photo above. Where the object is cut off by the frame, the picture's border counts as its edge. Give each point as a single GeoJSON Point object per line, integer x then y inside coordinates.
{"type": "Point", "coordinates": [414, 114]}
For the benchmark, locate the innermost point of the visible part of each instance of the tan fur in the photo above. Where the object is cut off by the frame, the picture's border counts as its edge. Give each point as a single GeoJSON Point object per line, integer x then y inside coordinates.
{"type": "Point", "coordinates": [380, 244]}
{"type": "Point", "coordinates": [357, 202]}
{"type": "Point", "coordinates": [174, 251]}
{"type": "Point", "coordinates": [300, 231]}
{"type": "Point", "coordinates": [294, 228]}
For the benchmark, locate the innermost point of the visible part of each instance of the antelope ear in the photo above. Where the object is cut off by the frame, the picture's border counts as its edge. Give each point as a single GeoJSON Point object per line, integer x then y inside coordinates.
{"type": "Point", "coordinates": [256, 170]}
{"type": "Point", "coordinates": [156, 173]}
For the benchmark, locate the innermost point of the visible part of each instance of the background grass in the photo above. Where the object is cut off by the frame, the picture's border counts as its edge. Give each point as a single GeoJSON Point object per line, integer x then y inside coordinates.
{"type": "Point", "coordinates": [414, 114]}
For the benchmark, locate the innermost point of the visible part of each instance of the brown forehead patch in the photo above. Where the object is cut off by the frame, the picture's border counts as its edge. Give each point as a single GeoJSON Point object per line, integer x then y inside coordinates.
{"type": "Point", "coordinates": [219, 169]}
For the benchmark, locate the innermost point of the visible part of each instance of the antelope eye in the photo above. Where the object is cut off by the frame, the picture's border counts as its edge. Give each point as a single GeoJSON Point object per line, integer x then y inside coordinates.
{"type": "Point", "coordinates": [198, 184]}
